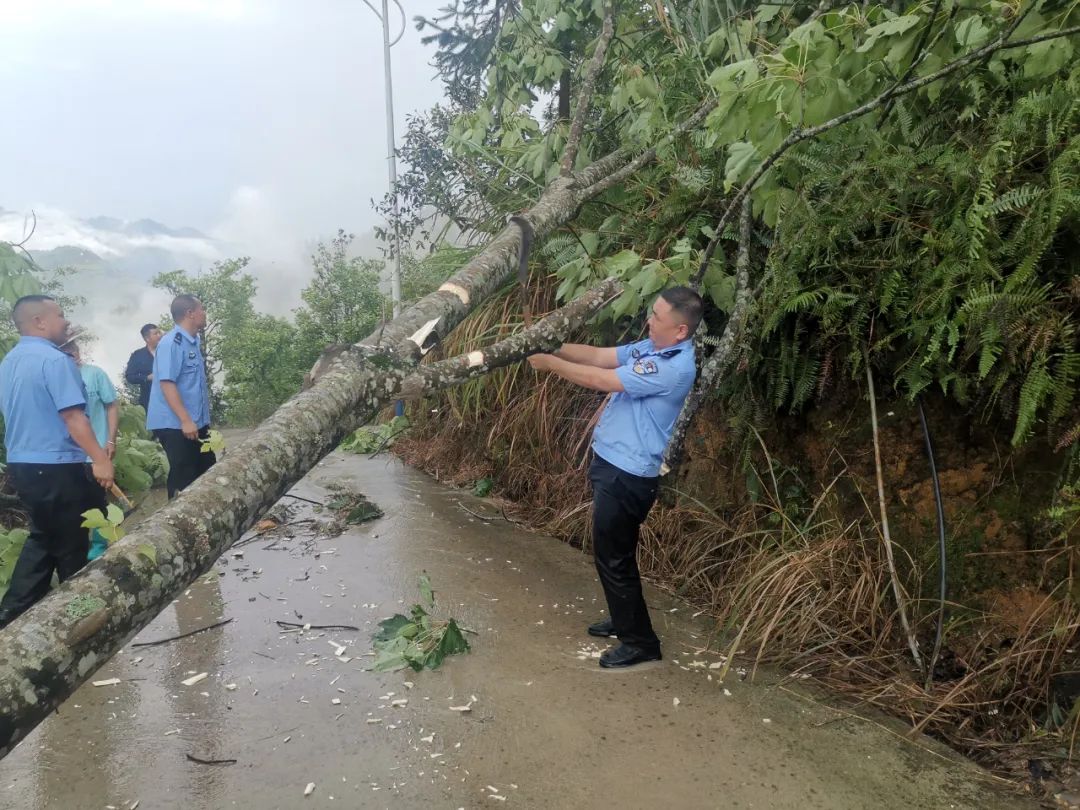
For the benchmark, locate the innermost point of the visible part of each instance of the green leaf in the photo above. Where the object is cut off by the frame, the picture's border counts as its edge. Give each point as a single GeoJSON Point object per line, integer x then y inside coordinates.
{"type": "Point", "coordinates": [390, 655]}
{"type": "Point", "coordinates": [741, 162]}
{"type": "Point", "coordinates": [649, 280]}
{"type": "Point", "coordinates": [95, 519]}
{"type": "Point", "coordinates": [114, 514]}
{"type": "Point", "coordinates": [415, 657]}
{"type": "Point", "coordinates": [972, 32]}
{"type": "Point", "coordinates": [728, 78]}
{"type": "Point", "coordinates": [766, 11]}
{"type": "Point", "coordinates": [17, 536]}
{"type": "Point", "coordinates": [1047, 58]}
{"type": "Point", "coordinates": [644, 88]}
{"type": "Point", "coordinates": [897, 25]}
{"type": "Point", "coordinates": [213, 443]}
{"type": "Point", "coordinates": [418, 614]}
{"type": "Point", "coordinates": [453, 641]}
{"type": "Point", "coordinates": [629, 301]}
{"type": "Point", "coordinates": [621, 263]}
{"type": "Point", "coordinates": [149, 552]}
{"type": "Point", "coordinates": [388, 628]}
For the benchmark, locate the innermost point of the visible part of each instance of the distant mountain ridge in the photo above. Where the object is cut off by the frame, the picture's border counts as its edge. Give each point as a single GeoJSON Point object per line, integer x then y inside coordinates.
{"type": "Point", "coordinates": [68, 256]}
{"type": "Point", "coordinates": [136, 249]}
{"type": "Point", "coordinates": [142, 227]}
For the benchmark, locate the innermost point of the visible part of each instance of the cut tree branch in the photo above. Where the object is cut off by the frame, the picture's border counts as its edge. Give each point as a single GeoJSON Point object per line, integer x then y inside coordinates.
{"type": "Point", "coordinates": [588, 87]}
{"type": "Point", "coordinates": [546, 335]}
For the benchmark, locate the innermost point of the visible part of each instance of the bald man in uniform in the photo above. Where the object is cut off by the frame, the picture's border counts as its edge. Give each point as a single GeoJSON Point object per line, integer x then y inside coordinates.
{"type": "Point", "coordinates": [48, 438]}
{"type": "Point", "coordinates": [648, 382]}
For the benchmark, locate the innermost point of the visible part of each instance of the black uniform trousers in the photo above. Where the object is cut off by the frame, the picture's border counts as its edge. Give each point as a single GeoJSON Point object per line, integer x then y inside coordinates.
{"type": "Point", "coordinates": [621, 502]}
{"type": "Point", "coordinates": [186, 459]}
{"type": "Point", "coordinates": [56, 495]}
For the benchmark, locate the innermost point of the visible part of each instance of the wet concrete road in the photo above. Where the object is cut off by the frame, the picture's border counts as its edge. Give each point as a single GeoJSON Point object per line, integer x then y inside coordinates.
{"type": "Point", "coordinates": [547, 728]}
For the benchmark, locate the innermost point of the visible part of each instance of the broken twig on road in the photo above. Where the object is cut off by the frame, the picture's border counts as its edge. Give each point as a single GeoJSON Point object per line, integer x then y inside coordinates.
{"type": "Point", "coordinates": [201, 761]}
{"type": "Point", "coordinates": [182, 635]}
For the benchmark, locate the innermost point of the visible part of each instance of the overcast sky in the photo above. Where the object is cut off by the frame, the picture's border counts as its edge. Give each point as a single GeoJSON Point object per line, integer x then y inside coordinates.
{"type": "Point", "coordinates": [259, 114]}
{"type": "Point", "coordinates": [259, 122]}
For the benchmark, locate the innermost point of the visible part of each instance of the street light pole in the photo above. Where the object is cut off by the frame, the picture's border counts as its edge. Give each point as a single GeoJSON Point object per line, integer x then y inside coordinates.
{"type": "Point", "coordinates": [391, 157]}
{"type": "Point", "coordinates": [395, 273]}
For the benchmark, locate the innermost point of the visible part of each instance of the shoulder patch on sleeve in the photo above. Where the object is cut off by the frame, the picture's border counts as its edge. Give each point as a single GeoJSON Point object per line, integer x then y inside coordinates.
{"type": "Point", "coordinates": [644, 367]}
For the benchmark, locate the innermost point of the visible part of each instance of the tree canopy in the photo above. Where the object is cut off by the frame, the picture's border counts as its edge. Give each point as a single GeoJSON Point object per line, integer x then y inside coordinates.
{"type": "Point", "coordinates": [912, 170]}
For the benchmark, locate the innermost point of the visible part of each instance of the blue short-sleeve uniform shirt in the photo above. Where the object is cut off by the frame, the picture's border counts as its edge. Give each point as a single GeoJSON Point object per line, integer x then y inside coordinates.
{"type": "Point", "coordinates": [179, 360]}
{"type": "Point", "coordinates": [37, 381]}
{"type": "Point", "coordinates": [636, 425]}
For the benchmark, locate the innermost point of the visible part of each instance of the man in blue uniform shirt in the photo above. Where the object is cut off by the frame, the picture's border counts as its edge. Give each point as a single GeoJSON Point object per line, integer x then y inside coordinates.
{"type": "Point", "coordinates": [648, 382]}
{"type": "Point", "coordinates": [179, 410]}
{"type": "Point", "coordinates": [48, 439]}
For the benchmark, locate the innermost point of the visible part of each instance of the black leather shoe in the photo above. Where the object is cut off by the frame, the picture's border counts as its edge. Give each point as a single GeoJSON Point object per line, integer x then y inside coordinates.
{"type": "Point", "coordinates": [626, 655]}
{"type": "Point", "coordinates": [603, 629]}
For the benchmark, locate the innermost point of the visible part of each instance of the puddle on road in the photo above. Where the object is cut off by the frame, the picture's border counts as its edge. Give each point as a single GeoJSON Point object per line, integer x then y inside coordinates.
{"type": "Point", "coordinates": [546, 728]}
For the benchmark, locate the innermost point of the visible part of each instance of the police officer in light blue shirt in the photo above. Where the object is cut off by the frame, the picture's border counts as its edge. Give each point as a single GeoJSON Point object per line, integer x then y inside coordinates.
{"type": "Point", "coordinates": [48, 439]}
{"type": "Point", "coordinates": [178, 413]}
{"type": "Point", "coordinates": [648, 382]}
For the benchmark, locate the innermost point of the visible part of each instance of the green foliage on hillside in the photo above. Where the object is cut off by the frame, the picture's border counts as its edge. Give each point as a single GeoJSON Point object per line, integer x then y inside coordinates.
{"type": "Point", "coordinates": [936, 236]}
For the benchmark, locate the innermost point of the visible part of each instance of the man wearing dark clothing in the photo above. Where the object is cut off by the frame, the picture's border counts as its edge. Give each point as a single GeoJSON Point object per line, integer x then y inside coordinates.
{"type": "Point", "coordinates": [179, 410]}
{"type": "Point", "coordinates": [648, 382]}
{"type": "Point", "coordinates": [140, 366]}
{"type": "Point", "coordinates": [48, 439]}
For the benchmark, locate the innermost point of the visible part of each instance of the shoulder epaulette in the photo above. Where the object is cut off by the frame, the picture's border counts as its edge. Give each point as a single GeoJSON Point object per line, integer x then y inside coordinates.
{"type": "Point", "coordinates": [669, 353]}
{"type": "Point", "coordinates": [178, 338]}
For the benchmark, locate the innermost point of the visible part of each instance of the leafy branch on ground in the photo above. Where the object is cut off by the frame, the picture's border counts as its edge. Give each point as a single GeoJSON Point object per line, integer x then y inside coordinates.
{"type": "Point", "coordinates": [352, 507]}
{"type": "Point", "coordinates": [420, 640]}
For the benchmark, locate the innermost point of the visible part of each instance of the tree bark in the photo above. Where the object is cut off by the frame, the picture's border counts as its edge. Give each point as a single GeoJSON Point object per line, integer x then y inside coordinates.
{"type": "Point", "coordinates": [724, 353]}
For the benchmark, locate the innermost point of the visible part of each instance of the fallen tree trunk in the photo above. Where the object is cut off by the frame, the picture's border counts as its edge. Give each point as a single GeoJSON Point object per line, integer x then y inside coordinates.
{"type": "Point", "coordinates": [50, 650]}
